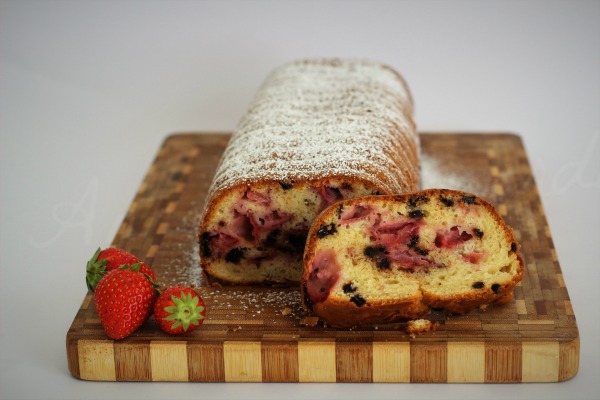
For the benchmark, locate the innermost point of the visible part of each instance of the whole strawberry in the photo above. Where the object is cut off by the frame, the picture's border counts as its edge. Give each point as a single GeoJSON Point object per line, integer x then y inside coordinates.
{"type": "Point", "coordinates": [104, 261]}
{"type": "Point", "coordinates": [124, 299]}
{"type": "Point", "coordinates": [179, 310]}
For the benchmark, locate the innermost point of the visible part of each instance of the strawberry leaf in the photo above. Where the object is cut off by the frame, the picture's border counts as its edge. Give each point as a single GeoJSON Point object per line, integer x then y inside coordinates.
{"type": "Point", "coordinates": [95, 270]}
{"type": "Point", "coordinates": [154, 284]}
{"type": "Point", "coordinates": [185, 311]}
{"type": "Point", "coordinates": [172, 309]}
{"type": "Point", "coordinates": [186, 324]}
{"type": "Point", "coordinates": [171, 317]}
{"type": "Point", "coordinates": [136, 267]}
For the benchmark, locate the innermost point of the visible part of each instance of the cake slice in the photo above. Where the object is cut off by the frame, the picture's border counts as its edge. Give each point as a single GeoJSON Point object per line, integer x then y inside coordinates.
{"type": "Point", "coordinates": [317, 132]}
{"type": "Point", "coordinates": [385, 258]}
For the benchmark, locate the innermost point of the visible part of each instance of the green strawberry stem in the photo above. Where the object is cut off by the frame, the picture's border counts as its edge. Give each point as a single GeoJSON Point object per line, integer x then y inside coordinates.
{"type": "Point", "coordinates": [95, 270]}
{"type": "Point", "coordinates": [155, 285]}
{"type": "Point", "coordinates": [133, 267]}
{"type": "Point", "coordinates": [186, 311]}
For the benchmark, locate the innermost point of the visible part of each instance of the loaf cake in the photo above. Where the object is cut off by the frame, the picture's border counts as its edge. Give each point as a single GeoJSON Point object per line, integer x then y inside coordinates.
{"type": "Point", "coordinates": [317, 132]}
{"type": "Point", "coordinates": [387, 258]}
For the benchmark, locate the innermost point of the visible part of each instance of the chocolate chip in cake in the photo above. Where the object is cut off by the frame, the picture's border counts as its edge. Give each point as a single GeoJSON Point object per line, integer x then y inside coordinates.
{"type": "Point", "coordinates": [447, 202]}
{"type": "Point", "coordinates": [478, 285]}
{"type": "Point", "coordinates": [420, 251]}
{"type": "Point", "coordinates": [377, 254]}
{"type": "Point", "coordinates": [383, 263]}
{"type": "Point", "coordinates": [285, 185]}
{"type": "Point", "coordinates": [221, 223]}
{"type": "Point", "coordinates": [271, 239]}
{"type": "Point", "coordinates": [339, 211]}
{"type": "Point", "coordinates": [326, 230]}
{"type": "Point", "coordinates": [416, 200]}
{"type": "Point", "coordinates": [348, 288]}
{"type": "Point", "coordinates": [297, 242]}
{"type": "Point", "coordinates": [205, 239]}
{"type": "Point", "coordinates": [469, 199]}
{"type": "Point", "coordinates": [513, 246]}
{"type": "Point", "coordinates": [358, 300]}
{"type": "Point", "coordinates": [234, 255]}
{"type": "Point", "coordinates": [413, 241]}
{"type": "Point", "coordinates": [478, 233]}
{"type": "Point", "coordinates": [373, 252]}
{"type": "Point", "coordinates": [495, 288]}
{"type": "Point", "coordinates": [416, 214]}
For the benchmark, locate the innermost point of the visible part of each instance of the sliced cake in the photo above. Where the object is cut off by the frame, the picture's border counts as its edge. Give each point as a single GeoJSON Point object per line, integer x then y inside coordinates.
{"type": "Point", "coordinates": [386, 258]}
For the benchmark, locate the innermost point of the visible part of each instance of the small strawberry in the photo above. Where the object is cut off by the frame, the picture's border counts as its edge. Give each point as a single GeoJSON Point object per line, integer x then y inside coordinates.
{"type": "Point", "coordinates": [107, 260]}
{"type": "Point", "coordinates": [179, 310]}
{"type": "Point", "coordinates": [124, 299]}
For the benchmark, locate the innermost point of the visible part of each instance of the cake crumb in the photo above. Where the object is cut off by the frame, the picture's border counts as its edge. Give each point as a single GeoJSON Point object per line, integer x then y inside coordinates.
{"type": "Point", "coordinates": [286, 311]}
{"type": "Point", "coordinates": [310, 321]}
{"type": "Point", "coordinates": [418, 326]}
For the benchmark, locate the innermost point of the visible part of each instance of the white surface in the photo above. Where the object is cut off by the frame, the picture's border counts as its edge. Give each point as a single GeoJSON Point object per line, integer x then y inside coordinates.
{"type": "Point", "coordinates": [88, 90]}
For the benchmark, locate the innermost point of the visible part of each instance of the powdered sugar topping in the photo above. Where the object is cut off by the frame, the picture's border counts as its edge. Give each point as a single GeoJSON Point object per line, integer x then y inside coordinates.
{"type": "Point", "coordinates": [317, 118]}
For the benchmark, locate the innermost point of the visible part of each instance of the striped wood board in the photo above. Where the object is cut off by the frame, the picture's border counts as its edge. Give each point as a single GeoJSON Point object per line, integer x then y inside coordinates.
{"type": "Point", "coordinates": [248, 336]}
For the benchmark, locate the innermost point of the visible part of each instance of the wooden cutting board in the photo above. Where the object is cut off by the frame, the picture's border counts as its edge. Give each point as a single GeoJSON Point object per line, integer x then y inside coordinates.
{"type": "Point", "coordinates": [247, 336]}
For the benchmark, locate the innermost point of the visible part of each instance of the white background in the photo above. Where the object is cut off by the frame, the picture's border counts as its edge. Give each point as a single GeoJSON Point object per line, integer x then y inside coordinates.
{"type": "Point", "coordinates": [88, 91]}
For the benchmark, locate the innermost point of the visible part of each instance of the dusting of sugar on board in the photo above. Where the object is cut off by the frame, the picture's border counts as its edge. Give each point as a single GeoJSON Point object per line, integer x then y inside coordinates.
{"type": "Point", "coordinates": [314, 119]}
{"type": "Point", "coordinates": [182, 266]}
{"type": "Point", "coordinates": [241, 303]}
{"type": "Point", "coordinates": [192, 255]}
{"type": "Point", "coordinates": [436, 175]}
